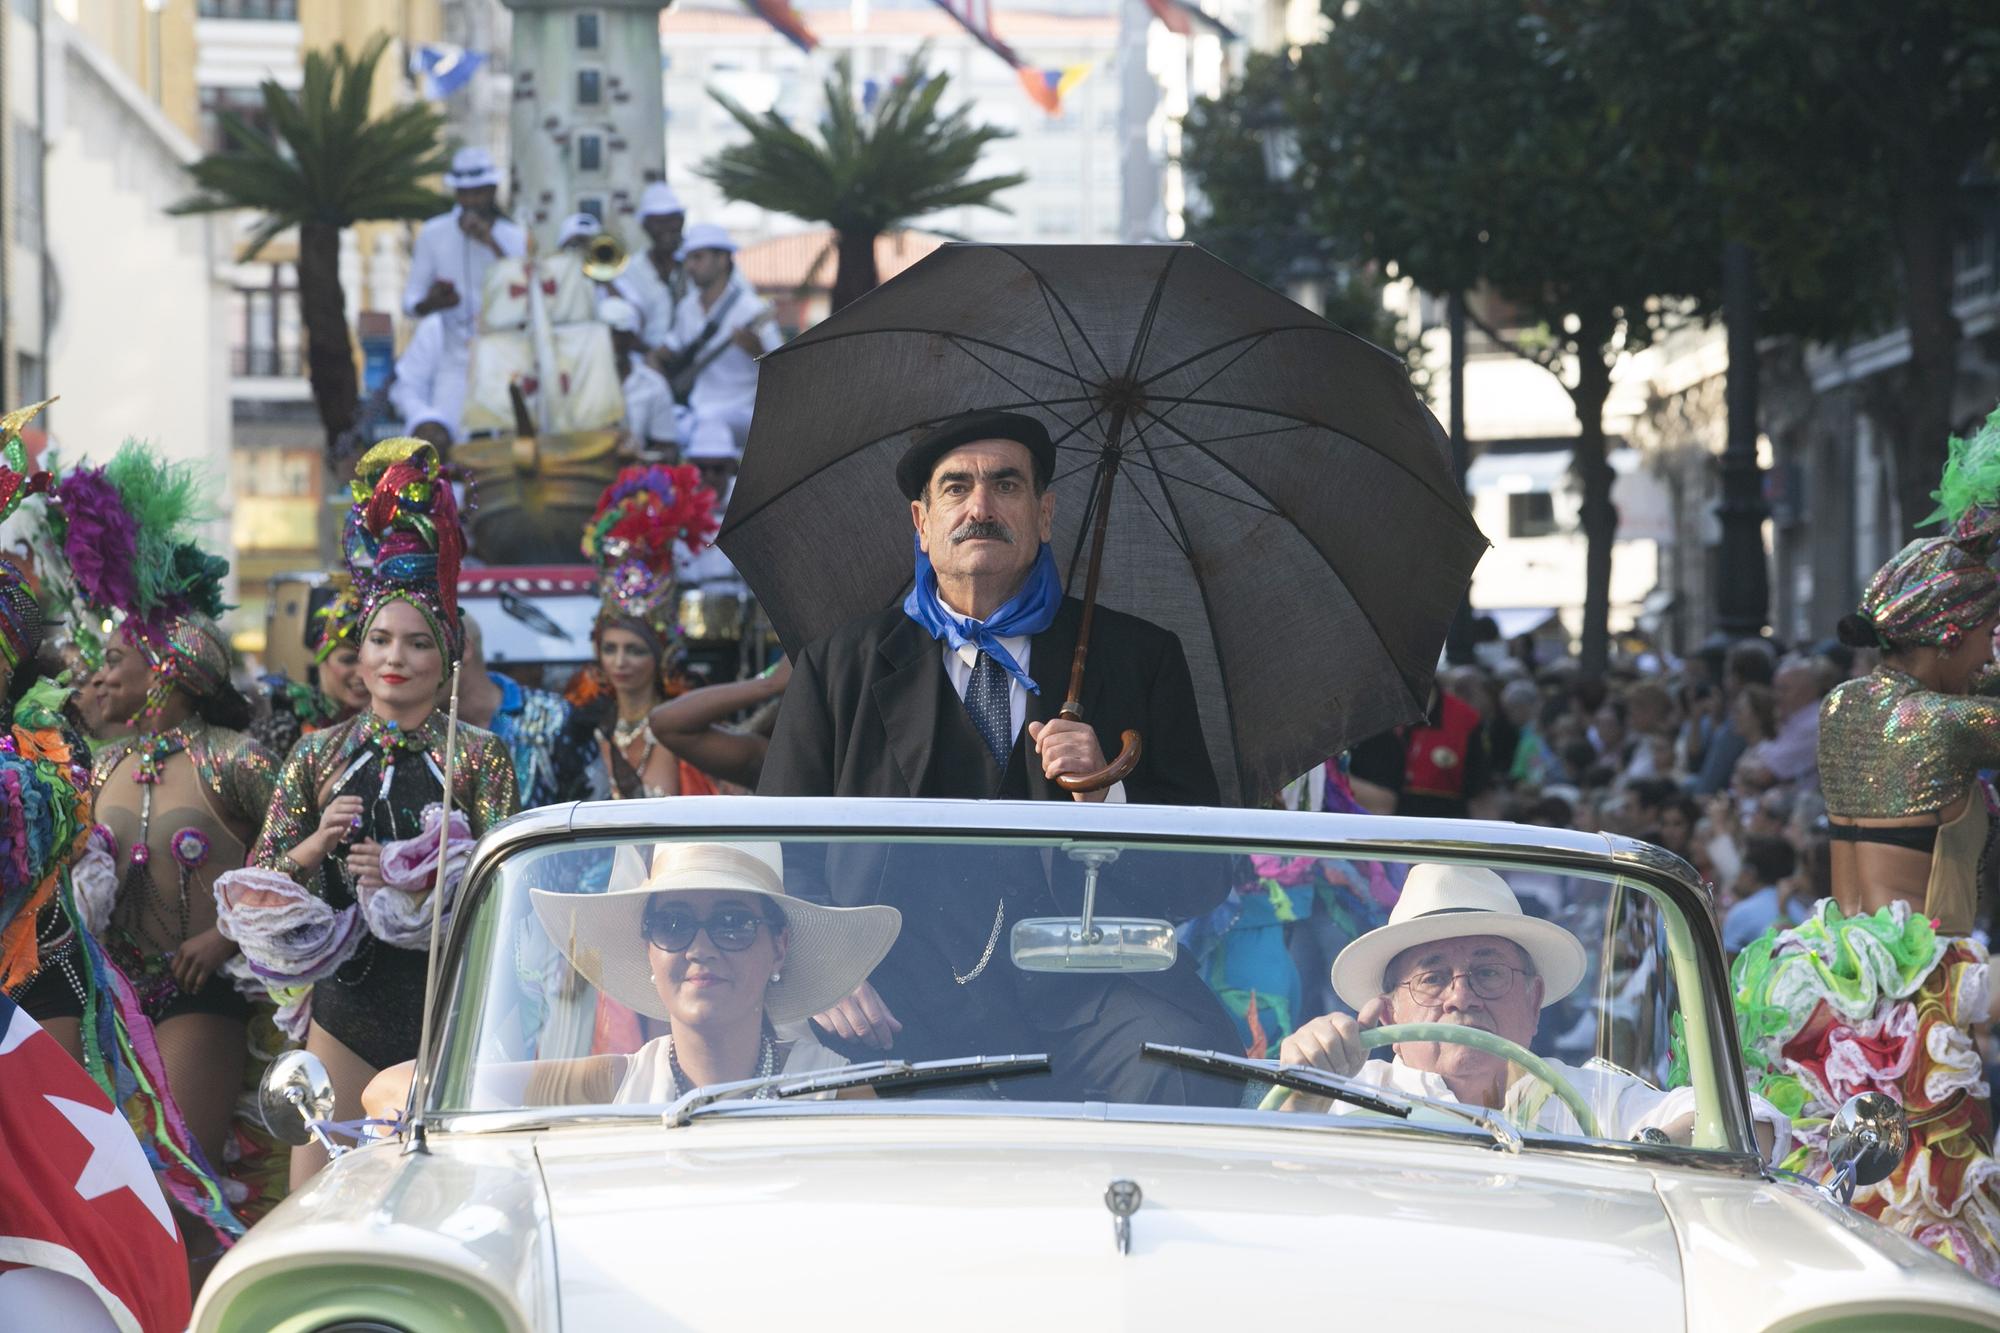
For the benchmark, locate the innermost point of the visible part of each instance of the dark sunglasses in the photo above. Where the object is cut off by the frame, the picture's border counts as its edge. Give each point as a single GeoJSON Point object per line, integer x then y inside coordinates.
{"type": "Point", "coordinates": [733, 929]}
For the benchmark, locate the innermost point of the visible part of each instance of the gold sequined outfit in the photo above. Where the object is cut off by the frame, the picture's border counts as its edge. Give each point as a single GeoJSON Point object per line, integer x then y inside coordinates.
{"type": "Point", "coordinates": [183, 807]}
{"type": "Point", "coordinates": [374, 1004]}
{"type": "Point", "coordinates": [1886, 1001]}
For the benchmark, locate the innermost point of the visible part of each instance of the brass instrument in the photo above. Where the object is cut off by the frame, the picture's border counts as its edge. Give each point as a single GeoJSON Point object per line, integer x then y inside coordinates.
{"type": "Point", "coordinates": [604, 257]}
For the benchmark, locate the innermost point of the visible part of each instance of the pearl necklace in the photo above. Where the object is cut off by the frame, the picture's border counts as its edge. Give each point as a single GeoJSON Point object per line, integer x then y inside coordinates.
{"type": "Point", "coordinates": [767, 1065]}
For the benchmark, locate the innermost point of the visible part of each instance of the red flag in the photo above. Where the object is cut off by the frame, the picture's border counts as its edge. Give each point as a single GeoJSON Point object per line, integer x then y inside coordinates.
{"type": "Point", "coordinates": [1187, 18]}
{"type": "Point", "coordinates": [81, 1215]}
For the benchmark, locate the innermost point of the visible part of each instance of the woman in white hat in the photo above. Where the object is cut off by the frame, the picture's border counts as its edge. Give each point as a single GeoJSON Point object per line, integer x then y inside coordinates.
{"type": "Point", "coordinates": [711, 943]}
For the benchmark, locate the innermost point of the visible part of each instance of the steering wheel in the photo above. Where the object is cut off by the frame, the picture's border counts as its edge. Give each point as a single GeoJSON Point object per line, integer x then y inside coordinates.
{"type": "Point", "coordinates": [1479, 1039]}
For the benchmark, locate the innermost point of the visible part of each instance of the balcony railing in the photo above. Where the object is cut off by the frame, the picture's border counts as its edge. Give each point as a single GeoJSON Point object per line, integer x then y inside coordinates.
{"type": "Point", "coordinates": [265, 362]}
{"type": "Point", "coordinates": [280, 10]}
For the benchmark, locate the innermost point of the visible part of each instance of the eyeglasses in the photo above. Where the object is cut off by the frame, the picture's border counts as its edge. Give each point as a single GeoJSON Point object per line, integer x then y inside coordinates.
{"type": "Point", "coordinates": [1489, 981]}
{"type": "Point", "coordinates": [733, 929]}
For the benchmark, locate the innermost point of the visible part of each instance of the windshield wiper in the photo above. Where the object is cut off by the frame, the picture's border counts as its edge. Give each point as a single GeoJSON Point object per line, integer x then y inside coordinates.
{"type": "Point", "coordinates": [1306, 1078]}
{"type": "Point", "coordinates": [877, 1074]}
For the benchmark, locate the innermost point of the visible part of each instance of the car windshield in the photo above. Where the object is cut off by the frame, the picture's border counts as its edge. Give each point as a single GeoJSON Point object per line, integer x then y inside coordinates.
{"type": "Point", "coordinates": [616, 976]}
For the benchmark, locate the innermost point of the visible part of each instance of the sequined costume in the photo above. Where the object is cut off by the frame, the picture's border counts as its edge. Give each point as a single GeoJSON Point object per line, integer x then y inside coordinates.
{"type": "Point", "coordinates": [374, 1003]}
{"type": "Point", "coordinates": [554, 760]}
{"type": "Point", "coordinates": [188, 800]}
{"type": "Point", "coordinates": [1885, 1002]}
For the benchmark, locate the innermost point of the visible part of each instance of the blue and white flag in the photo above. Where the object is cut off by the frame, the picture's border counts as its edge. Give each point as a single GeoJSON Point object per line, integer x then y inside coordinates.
{"type": "Point", "coordinates": [446, 69]}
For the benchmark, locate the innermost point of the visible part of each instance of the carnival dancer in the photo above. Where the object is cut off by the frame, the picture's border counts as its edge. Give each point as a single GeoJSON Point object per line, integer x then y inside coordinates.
{"type": "Point", "coordinates": [554, 760]}
{"type": "Point", "coordinates": [332, 691]}
{"type": "Point", "coordinates": [631, 539]}
{"type": "Point", "coordinates": [51, 960]}
{"type": "Point", "coordinates": [1880, 988]}
{"type": "Point", "coordinates": [356, 800]}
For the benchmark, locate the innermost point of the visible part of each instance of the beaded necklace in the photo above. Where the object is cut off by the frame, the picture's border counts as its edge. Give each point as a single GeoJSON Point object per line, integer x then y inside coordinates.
{"type": "Point", "coordinates": [767, 1065]}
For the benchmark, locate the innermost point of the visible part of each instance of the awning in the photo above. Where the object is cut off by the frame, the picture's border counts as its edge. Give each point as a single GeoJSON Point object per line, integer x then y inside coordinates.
{"type": "Point", "coordinates": [1514, 621]}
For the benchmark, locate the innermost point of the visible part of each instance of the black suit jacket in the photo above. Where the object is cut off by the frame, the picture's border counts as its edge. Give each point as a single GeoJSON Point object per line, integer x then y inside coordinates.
{"type": "Point", "coordinates": [870, 711]}
{"type": "Point", "coordinates": [861, 715]}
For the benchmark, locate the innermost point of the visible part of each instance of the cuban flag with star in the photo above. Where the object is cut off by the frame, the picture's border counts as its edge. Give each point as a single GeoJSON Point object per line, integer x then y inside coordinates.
{"type": "Point", "coordinates": [86, 1239]}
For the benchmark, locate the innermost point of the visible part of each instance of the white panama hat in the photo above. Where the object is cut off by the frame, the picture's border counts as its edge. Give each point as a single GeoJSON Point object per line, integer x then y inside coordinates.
{"type": "Point", "coordinates": [472, 169]}
{"type": "Point", "coordinates": [658, 200]}
{"type": "Point", "coordinates": [832, 949]}
{"type": "Point", "coordinates": [1442, 902]}
{"type": "Point", "coordinates": [705, 236]}
{"type": "Point", "coordinates": [578, 227]}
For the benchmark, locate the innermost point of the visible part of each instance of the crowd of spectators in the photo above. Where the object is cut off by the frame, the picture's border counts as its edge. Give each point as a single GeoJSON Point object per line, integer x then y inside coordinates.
{"type": "Point", "coordinates": [1714, 757]}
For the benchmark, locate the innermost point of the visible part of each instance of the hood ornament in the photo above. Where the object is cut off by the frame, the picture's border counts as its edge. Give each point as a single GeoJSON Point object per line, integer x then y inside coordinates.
{"type": "Point", "coordinates": [1123, 1199]}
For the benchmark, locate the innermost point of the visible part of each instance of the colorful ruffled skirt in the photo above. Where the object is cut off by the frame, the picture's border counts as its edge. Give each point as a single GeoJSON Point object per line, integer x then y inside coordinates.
{"type": "Point", "coordinates": [1881, 1003]}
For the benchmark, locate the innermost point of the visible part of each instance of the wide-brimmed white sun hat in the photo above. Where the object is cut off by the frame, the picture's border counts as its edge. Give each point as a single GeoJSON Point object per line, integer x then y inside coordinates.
{"type": "Point", "coordinates": [472, 169]}
{"type": "Point", "coordinates": [832, 949]}
{"type": "Point", "coordinates": [1442, 902]}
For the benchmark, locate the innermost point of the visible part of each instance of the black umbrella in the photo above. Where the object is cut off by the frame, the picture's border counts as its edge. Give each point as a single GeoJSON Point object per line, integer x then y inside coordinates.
{"type": "Point", "coordinates": [1278, 496]}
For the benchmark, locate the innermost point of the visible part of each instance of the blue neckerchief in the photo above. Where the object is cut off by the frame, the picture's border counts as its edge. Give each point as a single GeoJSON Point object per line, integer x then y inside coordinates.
{"type": "Point", "coordinates": [1029, 611]}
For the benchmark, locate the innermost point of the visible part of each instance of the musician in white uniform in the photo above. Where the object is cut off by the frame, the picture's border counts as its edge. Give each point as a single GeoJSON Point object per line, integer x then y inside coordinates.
{"type": "Point", "coordinates": [720, 329]}
{"type": "Point", "coordinates": [453, 250]}
{"type": "Point", "coordinates": [428, 388]}
{"type": "Point", "coordinates": [656, 282]}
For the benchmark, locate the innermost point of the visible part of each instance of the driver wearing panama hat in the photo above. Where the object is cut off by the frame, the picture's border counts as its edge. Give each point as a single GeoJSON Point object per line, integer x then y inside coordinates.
{"type": "Point", "coordinates": [1457, 949]}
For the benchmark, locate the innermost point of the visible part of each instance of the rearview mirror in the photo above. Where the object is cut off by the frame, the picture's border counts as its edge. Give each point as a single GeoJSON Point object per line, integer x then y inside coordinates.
{"type": "Point", "coordinates": [295, 1095]}
{"type": "Point", "coordinates": [1090, 943]}
{"type": "Point", "coordinates": [1865, 1143]}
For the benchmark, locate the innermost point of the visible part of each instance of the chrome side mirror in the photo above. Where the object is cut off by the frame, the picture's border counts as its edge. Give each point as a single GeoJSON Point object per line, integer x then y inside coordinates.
{"type": "Point", "coordinates": [1867, 1140]}
{"type": "Point", "coordinates": [1091, 943]}
{"type": "Point", "coordinates": [296, 1099]}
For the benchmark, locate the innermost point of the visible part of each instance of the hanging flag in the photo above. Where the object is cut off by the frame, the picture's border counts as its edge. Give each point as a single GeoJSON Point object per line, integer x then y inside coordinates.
{"type": "Point", "coordinates": [976, 17]}
{"type": "Point", "coordinates": [780, 15]}
{"type": "Point", "coordinates": [446, 69]}
{"type": "Point", "coordinates": [1048, 87]}
{"type": "Point", "coordinates": [1187, 18]}
{"type": "Point", "coordinates": [81, 1215]}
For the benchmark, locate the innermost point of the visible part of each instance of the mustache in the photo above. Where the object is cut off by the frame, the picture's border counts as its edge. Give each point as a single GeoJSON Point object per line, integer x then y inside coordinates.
{"type": "Point", "coordinates": [978, 529]}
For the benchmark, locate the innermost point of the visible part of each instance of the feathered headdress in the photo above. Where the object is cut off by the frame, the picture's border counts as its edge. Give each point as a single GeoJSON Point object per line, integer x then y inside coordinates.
{"type": "Point", "coordinates": [1968, 494]}
{"type": "Point", "coordinates": [403, 540]}
{"type": "Point", "coordinates": [127, 531]}
{"type": "Point", "coordinates": [21, 620]}
{"type": "Point", "coordinates": [640, 519]}
{"type": "Point", "coordinates": [339, 621]}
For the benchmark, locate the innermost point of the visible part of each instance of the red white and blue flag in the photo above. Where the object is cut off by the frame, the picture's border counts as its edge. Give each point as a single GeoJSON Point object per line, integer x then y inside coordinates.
{"type": "Point", "coordinates": [85, 1231]}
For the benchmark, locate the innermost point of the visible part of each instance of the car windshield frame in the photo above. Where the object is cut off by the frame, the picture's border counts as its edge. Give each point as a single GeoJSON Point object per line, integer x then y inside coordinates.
{"type": "Point", "coordinates": [1723, 1108]}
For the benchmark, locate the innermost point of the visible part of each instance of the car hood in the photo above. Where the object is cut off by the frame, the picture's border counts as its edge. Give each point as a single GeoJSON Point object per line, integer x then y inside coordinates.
{"type": "Point", "coordinates": [988, 1222]}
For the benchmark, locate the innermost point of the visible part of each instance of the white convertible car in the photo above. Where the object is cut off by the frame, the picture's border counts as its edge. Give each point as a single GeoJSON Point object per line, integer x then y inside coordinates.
{"type": "Point", "coordinates": [1065, 1130]}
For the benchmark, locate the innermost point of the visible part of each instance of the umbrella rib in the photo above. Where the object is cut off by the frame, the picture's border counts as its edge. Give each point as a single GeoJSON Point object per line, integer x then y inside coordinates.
{"type": "Point", "coordinates": [1382, 454]}
{"type": "Point", "coordinates": [1182, 400]}
{"type": "Point", "coordinates": [1245, 337]}
{"type": "Point", "coordinates": [1300, 528]}
{"type": "Point", "coordinates": [946, 334]}
{"type": "Point", "coordinates": [1050, 295]}
{"type": "Point", "coordinates": [1208, 615]}
{"type": "Point", "coordinates": [1175, 534]}
{"type": "Point", "coordinates": [1049, 305]}
{"type": "Point", "coordinates": [1074, 426]}
{"type": "Point", "coordinates": [1145, 334]}
{"type": "Point", "coordinates": [1192, 484]}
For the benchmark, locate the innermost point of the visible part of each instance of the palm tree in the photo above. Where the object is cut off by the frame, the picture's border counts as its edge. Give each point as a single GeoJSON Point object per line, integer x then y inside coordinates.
{"type": "Point", "coordinates": [326, 165]}
{"type": "Point", "coordinates": [870, 171]}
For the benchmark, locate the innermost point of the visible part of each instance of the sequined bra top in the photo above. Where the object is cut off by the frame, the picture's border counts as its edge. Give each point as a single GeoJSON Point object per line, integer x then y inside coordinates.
{"type": "Point", "coordinates": [1891, 749]}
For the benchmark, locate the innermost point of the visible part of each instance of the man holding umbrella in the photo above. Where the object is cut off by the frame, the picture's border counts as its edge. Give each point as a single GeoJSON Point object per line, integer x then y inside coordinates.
{"type": "Point", "coordinates": [955, 694]}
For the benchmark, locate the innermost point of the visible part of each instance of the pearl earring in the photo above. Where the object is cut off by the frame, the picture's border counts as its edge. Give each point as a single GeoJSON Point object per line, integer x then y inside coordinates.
{"type": "Point", "coordinates": [777, 977]}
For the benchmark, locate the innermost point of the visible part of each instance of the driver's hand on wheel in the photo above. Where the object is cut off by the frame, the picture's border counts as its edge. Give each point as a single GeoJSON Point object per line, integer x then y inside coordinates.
{"type": "Point", "coordinates": [862, 1017]}
{"type": "Point", "coordinates": [1331, 1042]}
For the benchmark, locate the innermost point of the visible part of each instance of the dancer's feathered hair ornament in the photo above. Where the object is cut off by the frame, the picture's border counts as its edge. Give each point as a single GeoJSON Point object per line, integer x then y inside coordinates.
{"type": "Point", "coordinates": [631, 538]}
{"type": "Point", "coordinates": [22, 623]}
{"type": "Point", "coordinates": [403, 540]}
{"type": "Point", "coordinates": [1968, 494]}
{"type": "Point", "coordinates": [128, 532]}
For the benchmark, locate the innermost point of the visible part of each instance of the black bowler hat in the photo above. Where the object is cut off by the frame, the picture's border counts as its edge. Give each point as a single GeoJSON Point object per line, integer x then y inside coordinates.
{"type": "Point", "coordinates": [913, 472]}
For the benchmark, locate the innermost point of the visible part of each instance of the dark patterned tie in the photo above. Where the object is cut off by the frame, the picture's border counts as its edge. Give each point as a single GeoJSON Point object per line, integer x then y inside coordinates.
{"type": "Point", "coordinates": [987, 703]}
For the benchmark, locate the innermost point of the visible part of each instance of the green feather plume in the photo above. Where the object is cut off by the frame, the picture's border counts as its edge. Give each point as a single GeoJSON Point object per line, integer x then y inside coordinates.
{"type": "Point", "coordinates": [165, 501]}
{"type": "Point", "coordinates": [1971, 481]}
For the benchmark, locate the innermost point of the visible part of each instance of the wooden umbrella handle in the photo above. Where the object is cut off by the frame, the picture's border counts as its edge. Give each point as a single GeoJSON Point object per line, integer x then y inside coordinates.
{"type": "Point", "coordinates": [1116, 771]}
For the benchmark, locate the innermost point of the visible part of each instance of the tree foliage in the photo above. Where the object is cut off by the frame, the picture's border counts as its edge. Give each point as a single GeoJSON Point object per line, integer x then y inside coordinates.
{"type": "Point", "coordinates": [869, 170]}
{"type": "Point", "coordinates": [326, 165]}
{"type": "Point", "coordinates": [1259, 219]}
{"type": "Point", "coordinates": [326, 161]}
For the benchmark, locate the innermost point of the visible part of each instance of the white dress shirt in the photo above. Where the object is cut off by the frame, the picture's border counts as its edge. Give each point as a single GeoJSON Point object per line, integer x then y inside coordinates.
{"type": "Point", "coordinates": [649, 405]}
{"type": "Point", "coordinates": [959, 663]}
{"type": "Point", "coordinates": [1623, 1105]}
{"type": "Point", "coordinates": [657, 299]}
{"type": "Point", "coordinates": [727, 386]}
{"type": "Point", "coordinates": [429, 384]}
{"type": "Point", "coordinates": [444, 251]}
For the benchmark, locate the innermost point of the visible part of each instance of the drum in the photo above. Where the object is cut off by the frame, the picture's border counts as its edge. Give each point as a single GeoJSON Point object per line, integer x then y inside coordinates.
{"type": "Point", "coordinates": [710, 615]}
